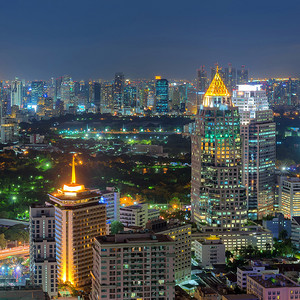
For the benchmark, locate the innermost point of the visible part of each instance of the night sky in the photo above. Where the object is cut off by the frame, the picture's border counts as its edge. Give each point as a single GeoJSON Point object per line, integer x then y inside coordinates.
{"type": "Point", "coordinates": [96, 38]}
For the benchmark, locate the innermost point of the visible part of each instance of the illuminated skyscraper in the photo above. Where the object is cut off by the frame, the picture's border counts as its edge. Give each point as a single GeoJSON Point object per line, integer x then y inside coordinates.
{"type": "Point", "coordinates": [162, 95]}
{"type": "Point", "coordinates": [218, 197]}
{"type": "Point", "coordinates": [79, 218]}
{"type": "Point", "coordinates": [259, 148]}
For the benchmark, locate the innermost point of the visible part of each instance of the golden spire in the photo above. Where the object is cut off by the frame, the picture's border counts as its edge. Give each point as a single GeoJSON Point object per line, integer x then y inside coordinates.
{"type": "Point", "coordinates": [217, 86]}
{"type": "Point", "coordinates": [73, 170]}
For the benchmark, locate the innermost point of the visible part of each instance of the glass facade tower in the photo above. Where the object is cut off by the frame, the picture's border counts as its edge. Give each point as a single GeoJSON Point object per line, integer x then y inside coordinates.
{"type": "Point", "coordinates": [218, 197]}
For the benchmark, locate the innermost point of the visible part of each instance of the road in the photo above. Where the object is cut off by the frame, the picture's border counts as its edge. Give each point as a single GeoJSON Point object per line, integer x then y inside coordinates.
{"type": "Point", "coordinates": [22, 250]}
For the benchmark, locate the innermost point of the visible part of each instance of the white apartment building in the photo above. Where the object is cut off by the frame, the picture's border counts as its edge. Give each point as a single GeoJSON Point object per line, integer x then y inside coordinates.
{"type": "Point", "coordinates": [137, 215]}
{"type": "Point", "coordinates": [43, 265]}
{"type": "Point", "coordinates": [181, 234]}
{"type": "Point", "coordinates": [133, 266]}
{"type": "Point", "coordinates": [209, 251]}
{"type": "Point", "coordinates": [289, 197]}
{"type": "Point", "coordinates": [252, 270]}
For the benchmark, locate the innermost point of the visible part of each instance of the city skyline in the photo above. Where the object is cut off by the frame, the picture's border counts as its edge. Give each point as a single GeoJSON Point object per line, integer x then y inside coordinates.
{"type": "Point", "coordinates": [96, 39]}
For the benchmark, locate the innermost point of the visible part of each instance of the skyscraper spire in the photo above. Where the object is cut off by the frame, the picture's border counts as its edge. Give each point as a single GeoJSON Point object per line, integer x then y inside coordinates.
{"type": "Point", "coordinates": [73, 170]}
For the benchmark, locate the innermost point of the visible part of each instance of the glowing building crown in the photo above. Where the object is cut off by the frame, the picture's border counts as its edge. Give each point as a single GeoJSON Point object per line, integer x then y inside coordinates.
{"type": "Point", "coordinates": [73, 186]}
{"type": "Point", "coordinates": [217, 88]}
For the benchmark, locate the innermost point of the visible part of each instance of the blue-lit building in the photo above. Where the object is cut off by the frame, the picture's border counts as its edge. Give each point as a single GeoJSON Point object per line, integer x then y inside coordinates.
{"type": "Point", "coordinates": [162, 95]}
{"type": "Point", "coordinates": [37, 91]}
{"type": "Point", "coordinates": [278, 224]}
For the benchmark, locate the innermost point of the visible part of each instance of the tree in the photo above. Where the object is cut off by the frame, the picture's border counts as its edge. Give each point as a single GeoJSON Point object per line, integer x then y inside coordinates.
{"type": "Point", "coordinates": [116, 227]}
{"type": "Point", "coordinates": [2, 241]}
{"type": "Point", "coordinates": [283, 234]}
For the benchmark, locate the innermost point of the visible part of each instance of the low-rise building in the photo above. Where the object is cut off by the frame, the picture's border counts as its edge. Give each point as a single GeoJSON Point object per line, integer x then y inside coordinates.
{"type": "Point", "coordinates": [147, 149]}
{"type": "Point", "coordinates": [254, 269]}
{"type": "Point", "coordinates": [209, 251]}
{"type": "Point", "coordinates": [181, 234]}
{"type": "Point", "coordinates": [133, 266]}
{"type": "Point", "coordinates": [255, 236]}
{"type": "Point", "coordinates": [137, 215]}
{"type": "Point", "coordinates": [206, 293]}
{"type": "Point", "coordinates": [239, 297]}
{"type": "Point", "coordinates": [272, 286]}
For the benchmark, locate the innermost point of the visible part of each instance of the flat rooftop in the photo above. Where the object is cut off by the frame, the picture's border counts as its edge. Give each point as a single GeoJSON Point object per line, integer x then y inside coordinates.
{"type": "Point", "coordinates": [135, 237]}
{"type": "Point", "coordinates": [274, 281]}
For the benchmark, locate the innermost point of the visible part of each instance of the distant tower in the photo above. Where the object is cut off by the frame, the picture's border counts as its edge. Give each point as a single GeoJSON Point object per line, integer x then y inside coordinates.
{"type": "Point", "coordinates": [118, 91]}
{"type": "Point", "coordinates": [17, 93]}
{"type": "Point", "coordinates": [162, 95]}
{"type": "Point", "coordinates": [259, 148]}
{"type": "Point", "coordinates": [242, 76]}
{"type": "Point", "coordinates": [218, 197]}
{"type": "Point", "coordinates": [202, 80]}
{"type": "Point", "coordinates": [37, 91]}
{"type": "Point", "coordinates": [230, 77]}
{"type": "Point", "coordinates": [79, 218]}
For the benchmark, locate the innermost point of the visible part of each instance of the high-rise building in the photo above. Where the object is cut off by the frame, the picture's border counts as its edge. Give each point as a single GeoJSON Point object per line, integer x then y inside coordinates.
{"type": "Point", "coordinates": [9, 130]}
{"type": "Point", "coordinates": [202, 80]}
{"type": "Point", "coordinates": [118, 91]}
{"type": "Point", "coordinates": [289, 197]}
{"type": "Point", "coordinates": [43, 266]}
{"type": "Point", "coordinates": [16, 93]}
{"type": "Point", "coordinates": [259, 148]}
{"type": "Point", "coordinates": [181, 234]}
{"type": "Point", "coordinates": [106, 97]}
{"type": "Point", "coordinates": [67, 94]}
{"type": "Point", "coordinates": [242, 76]}
{"type": "Point", "coordinates": [161, 95]}
{"type": "Point", "coordinates": [37, 91]}
{"type": "Point", "coordinates": [218, 197]}
{"type": "Point", "coordinates": [79, 218]}
{"type": "Point", "coordinates": [97, 95]}
{"type": "Point", "coordinates": [133, 266]}
{"type": "Point", "coordinates": [130, 95]}
{"type": "Point", "coordinates": [230, 77]}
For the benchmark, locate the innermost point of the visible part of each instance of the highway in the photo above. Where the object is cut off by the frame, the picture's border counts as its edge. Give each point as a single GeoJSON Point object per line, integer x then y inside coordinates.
{"type": "Point", "coordinates": [22, 250]}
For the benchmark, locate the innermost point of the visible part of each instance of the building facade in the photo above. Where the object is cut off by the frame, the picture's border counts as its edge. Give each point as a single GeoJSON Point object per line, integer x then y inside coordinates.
{"type": "Point", "coordinates": [258, 130]}
{"type": "Point", "coordinates": [137, 215]}
{"type": "Point", "coordinates": [181, 234]}
{"type": "Point", "coordinates": [289, 197]}
{"type": "Point", "coordinates": [133, 266]}
{"type": "Point", "coordinates": [43, 265]}
{"type": "Point", "coordinates": [218, 197]}
{"type": "Point", "coordinates": [272, 286]}
{"type": "Point", "coordinates": [210, 251]}
{"type": "Point", "coordinates": [161, 95]}
{"type": "Point", "coordinates": [79, 218]}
